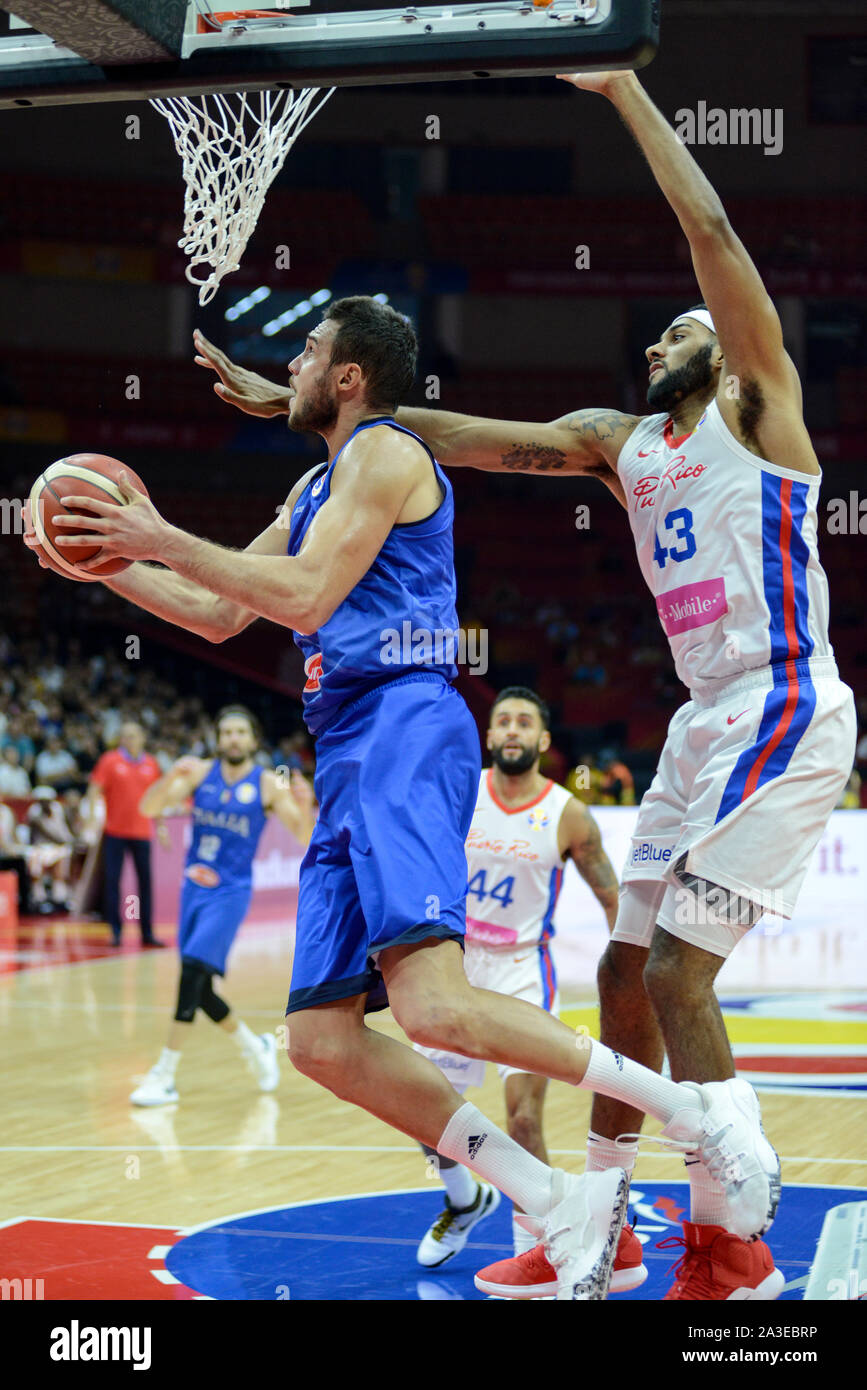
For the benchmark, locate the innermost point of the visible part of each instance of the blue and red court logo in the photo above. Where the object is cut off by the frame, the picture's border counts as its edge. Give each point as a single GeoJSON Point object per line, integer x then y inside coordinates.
{"type": "Point", "coordinates": [360, 1248]}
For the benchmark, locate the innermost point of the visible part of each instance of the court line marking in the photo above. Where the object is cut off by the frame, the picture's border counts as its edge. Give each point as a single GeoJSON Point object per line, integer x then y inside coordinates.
{"type": "Point", "coordinates": [86, 1221]}
{"type": "Point", "coordinates": [329, 1148]}
{"type": "Point", "coordinates": [402, 1192]}
{"type": "Point", "coordinates": [64, 1004]}
{"type": "Point", "coordinates": [344, 1239]}
{"type": "Point", "coordinates": [807, 1092]}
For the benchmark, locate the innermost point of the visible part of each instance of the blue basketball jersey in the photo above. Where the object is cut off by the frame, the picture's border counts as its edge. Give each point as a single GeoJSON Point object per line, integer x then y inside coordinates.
{"type": "Point", "coordinates": [399, 619]}
{"type": "Point", "coordinates": [228, 820]}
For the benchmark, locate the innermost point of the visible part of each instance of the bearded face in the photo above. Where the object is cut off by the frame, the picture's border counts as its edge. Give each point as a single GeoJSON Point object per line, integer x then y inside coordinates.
{"type": "Point", "coordinates": [668, 389]}
{"type": "Point", "coordinates": [315, 410]}
{"type": "Point", "coordinates": [513, 761]}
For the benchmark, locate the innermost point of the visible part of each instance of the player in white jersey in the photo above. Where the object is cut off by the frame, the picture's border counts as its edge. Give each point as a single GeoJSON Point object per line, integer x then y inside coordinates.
{"type": "Point", "coordinates": [720, 484]}
{"type": "Point", "coordinates": [524, 828]}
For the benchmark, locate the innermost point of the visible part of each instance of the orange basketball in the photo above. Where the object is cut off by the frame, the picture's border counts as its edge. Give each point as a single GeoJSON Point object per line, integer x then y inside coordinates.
{"type": "Point", "coordinates": [78, 475]}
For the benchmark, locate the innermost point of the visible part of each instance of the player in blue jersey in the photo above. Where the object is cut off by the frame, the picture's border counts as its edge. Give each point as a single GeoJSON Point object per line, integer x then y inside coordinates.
{"type": "Point", "coordinates": [368, 589]}
{"type": "Point", "coordinates": [232, 798]}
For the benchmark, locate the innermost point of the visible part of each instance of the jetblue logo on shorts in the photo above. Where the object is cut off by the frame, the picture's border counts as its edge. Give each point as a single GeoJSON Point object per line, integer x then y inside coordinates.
{"type": "Point", "coordinates": [475, 1142]}
{"type": "Point", "coordinates": [646, 853]}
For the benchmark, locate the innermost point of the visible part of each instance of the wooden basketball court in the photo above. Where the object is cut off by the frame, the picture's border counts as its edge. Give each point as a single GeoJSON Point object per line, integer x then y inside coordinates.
{"type": "Point", "coordinates": [78, 1033]}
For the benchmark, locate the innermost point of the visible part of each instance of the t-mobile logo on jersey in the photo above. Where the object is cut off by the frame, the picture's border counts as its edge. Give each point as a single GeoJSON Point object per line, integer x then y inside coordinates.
{"type": "Point", "coordinates": [692, 605]}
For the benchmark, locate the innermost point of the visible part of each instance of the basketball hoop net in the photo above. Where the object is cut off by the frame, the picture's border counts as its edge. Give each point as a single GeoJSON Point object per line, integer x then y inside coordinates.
{"type": "Point", "coordinates": [232, 147]}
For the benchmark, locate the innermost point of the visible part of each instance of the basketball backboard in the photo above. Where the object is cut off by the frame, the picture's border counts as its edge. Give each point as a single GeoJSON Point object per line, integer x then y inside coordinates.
{"type": "Point", "coordinates": [316, 43]}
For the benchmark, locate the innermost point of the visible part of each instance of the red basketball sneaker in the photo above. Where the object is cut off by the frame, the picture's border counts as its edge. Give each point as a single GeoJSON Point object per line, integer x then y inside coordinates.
{"type": "Point", "coordinates": [719, 1267]}
{"type": "Point", "coordinates": [531, 1276]}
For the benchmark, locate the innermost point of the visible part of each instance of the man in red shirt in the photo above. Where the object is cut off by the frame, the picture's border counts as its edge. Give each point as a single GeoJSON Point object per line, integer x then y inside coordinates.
{"type": "Point", "coordinates": [121, 779]}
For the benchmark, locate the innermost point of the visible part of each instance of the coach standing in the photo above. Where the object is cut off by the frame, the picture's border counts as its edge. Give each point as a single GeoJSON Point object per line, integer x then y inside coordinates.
{"type": "Point", "coordinates": [121, 778]}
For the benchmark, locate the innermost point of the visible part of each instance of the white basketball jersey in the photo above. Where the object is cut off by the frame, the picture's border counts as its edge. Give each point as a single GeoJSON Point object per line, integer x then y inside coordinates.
{"type": "Point", "coordinates": [515, 869]}
{"type": "Point", "coordinates": [727, 544]}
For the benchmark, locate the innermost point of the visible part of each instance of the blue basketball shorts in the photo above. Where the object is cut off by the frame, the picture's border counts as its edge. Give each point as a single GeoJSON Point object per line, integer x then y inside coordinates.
{"type": "Point", "coordinates": [397, 776]}
{"type": "Point", "coordinates": [209, 922]}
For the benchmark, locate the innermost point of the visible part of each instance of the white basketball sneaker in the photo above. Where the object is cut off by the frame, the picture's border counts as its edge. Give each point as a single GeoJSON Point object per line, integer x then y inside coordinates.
{"type": "Point", "coordinates": [157, 1088]}
{"type": "Point", "coordinates": [582, 1230]}
{"type": "Point", "coordinates": [263, 1062]}
{"type": "Point", "coordinates": [730, 1141]}
{"type": "Point", "coordinates": [450, 1232]}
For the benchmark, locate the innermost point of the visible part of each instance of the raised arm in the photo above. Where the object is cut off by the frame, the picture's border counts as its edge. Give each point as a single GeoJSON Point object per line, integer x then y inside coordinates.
{"type": "Point", "coordinates": [762, 406]}
{"type": "Point", "coordinates": [585, 442]}
{"type": "Point", "coordinates": [174, 786]}
{"type": "Point", "coordinates": [579, 838]}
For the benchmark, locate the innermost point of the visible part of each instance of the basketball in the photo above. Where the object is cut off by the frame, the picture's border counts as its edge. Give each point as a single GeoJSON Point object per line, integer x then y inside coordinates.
{"type": "Point", "coordinates": [78, 475]}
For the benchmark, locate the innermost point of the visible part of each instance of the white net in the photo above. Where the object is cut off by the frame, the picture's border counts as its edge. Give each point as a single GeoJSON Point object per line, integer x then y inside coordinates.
{"type": "Point", "coordinates": [232, 147]}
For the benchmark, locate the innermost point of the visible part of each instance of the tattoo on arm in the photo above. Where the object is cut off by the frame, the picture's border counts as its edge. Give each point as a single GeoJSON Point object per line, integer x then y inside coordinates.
{"type": "Point", "coordinates": [600, 424]}
{"type": "Point", "coordinates": [533, 458]}
{"type": "Point", "coordinates": [595, 868]}
{"type": "Point", "coordinates": [592, 429]}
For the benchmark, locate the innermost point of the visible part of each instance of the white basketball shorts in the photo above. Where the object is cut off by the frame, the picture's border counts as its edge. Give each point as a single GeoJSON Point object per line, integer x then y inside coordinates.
{"type": "Point", "coordinates": [524, 972]}
{"type": "Point", "coordinates": [746, 782]}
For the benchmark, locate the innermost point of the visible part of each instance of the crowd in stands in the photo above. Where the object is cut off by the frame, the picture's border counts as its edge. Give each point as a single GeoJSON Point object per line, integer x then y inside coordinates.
{"type": "Point", "coordinates": [59, 711]}
{"type": "Point", "coordinates": [61, 708]}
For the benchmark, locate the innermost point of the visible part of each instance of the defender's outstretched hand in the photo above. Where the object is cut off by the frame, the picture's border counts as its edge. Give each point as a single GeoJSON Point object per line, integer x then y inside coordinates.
{"type": "Point", "coordinates": [253, 394]}
{"type": "Point", "coordinates": [596, 81]}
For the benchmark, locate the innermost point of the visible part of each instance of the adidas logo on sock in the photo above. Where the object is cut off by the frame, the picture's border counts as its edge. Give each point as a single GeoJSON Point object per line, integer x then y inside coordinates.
{"type": "Point", "coordinates": [618, 1059]}
{"type": "Point", "coordinates": [475, 1142]}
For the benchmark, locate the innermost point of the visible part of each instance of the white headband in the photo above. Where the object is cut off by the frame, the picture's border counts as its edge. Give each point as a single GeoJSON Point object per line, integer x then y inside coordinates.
{"type": "Point", "coordinates": [700, 316]}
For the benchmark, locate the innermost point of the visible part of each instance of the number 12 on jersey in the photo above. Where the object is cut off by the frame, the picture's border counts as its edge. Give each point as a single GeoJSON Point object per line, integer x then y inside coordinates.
{"type": "Point", "coordinates": [501, 891]}
{"type": "Point", "coordinates": [679, 522]}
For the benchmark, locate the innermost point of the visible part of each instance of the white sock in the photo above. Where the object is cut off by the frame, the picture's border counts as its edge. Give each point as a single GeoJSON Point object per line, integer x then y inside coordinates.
{"type": "Point", "coordinates": [610, 1074]}
{"type": "Point", "coordinates": [168, 1063]}
{"type": "Point", "coordinates": [603, 1154]}
{"type": "Point", "coordinates": [522, 1240]}
{"type": "Point", "coordinates": [707, 1198]}
{"type": "Point", "coordinates": [245, 1038]}
{"type": "Point", "coordinates": [469, 1137]}
{"type": "Point", "coordinates": [460, 1185]}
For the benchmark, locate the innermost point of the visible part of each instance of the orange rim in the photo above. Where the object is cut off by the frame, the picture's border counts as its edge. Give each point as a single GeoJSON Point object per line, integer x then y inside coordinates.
{"type": "Point", "coordinates": [204, 25]}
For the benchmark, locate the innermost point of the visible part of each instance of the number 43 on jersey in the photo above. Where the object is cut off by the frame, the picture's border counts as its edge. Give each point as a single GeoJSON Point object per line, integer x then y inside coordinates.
{"type": "Point", "coordinates": [679, 523]}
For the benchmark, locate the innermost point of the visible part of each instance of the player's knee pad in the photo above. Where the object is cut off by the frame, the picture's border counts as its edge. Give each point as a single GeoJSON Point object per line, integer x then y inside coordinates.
{"type": "Point", "coordinates": [194, 978]}
{"type": "Point", "coordinates": [715, 904]}
{"type": "Point", "coordinates": [637, 910]}
{"type": "Point", "coordinates": [216, 1008]}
